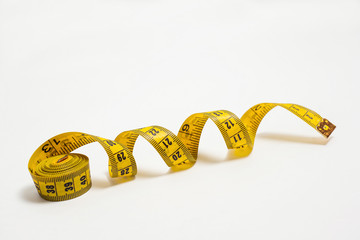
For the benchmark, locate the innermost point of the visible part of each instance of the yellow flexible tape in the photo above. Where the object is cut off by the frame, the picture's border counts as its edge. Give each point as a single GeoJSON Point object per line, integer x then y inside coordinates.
{"type": "Point", "coordinates": [60, 175]}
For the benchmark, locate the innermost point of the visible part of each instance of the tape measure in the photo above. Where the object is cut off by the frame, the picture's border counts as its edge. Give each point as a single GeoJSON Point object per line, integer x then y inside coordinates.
{"type": "Point", "coordinates": [59, 174]}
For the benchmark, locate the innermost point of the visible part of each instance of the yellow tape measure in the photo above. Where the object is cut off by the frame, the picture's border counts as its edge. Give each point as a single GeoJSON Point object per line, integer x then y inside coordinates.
{"type": "Point", "coordinates": [59, 175]}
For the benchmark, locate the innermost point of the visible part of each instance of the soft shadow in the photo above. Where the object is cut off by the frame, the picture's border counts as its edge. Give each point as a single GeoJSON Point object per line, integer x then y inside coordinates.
{"type": "Point", "coordinates": [173, 169]}
{"type": "Point", "coordinates": [207, 158]}
{"type": "Point", "coordinates": [231, 155]}
{"type": "Point", "coordinates": [150, 174]}
{"type": "Point", "coordinates": [179, 168]}
{"type": "Point", "coordinates": [102, 183]}
{"type": "Point", "coordinates": [294, 138]}
{"type": "Point", "coordinates": [30, 194]}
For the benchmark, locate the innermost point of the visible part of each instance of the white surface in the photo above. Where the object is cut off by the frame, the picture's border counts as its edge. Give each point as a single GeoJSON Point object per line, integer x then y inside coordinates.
{"type": "Point", "coordinates": [103, 67]}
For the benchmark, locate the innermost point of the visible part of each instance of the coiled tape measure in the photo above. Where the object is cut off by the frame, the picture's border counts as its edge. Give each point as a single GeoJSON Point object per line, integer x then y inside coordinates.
{"type": "Point", "coordinates": [60, 175]}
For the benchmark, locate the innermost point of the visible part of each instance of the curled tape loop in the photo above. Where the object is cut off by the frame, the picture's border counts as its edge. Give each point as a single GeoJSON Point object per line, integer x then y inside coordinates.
{"type": "Point", "coordinates": [60, 175]}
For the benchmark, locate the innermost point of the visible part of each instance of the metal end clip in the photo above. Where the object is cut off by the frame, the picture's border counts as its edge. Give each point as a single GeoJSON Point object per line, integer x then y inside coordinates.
{"type": "Point", "coordinates": [325, 127]}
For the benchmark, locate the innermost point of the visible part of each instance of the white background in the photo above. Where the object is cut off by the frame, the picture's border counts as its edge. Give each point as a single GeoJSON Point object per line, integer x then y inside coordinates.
{"type": "Point", "coordinates": [103, 67]}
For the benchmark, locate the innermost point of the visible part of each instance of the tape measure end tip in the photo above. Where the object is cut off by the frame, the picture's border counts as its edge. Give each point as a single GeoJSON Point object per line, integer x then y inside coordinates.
{"type": "Point", "coordinates": [325, 127]}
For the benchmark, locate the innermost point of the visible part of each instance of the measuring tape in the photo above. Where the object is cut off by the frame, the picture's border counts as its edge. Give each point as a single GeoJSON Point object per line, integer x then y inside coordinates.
{"type": "Point", "coordinates": [59, 174]}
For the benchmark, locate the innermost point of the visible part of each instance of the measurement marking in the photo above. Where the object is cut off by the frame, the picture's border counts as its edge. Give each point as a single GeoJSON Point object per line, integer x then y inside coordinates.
{"type": "Point", "coordinates": [185, 132]}
{"type": "Point", "coordinates": [52, 146]}
{"type": "Point", "coordinates": [163, 138]}
{"type": "Point", "coordinates": [174, 152]}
